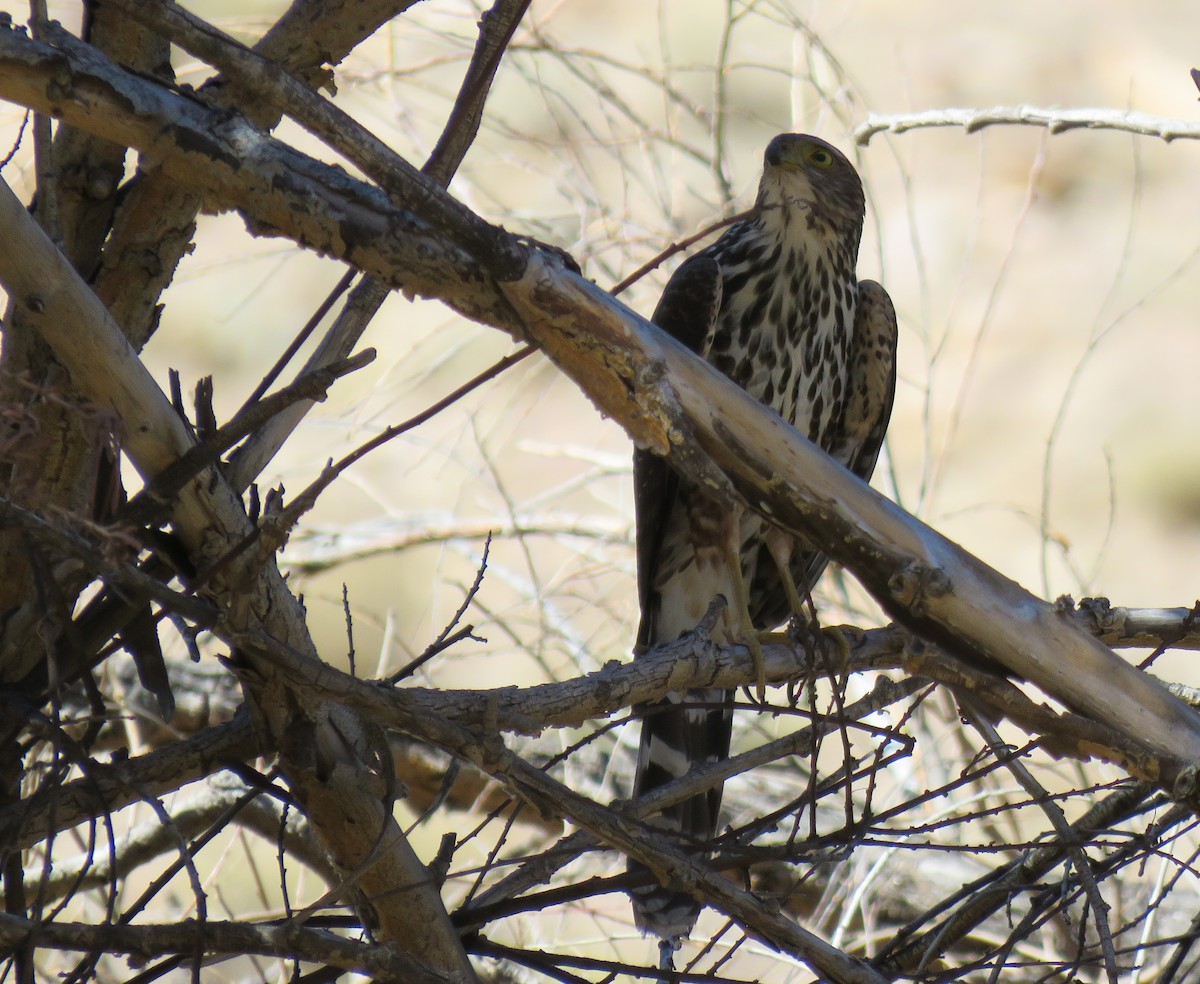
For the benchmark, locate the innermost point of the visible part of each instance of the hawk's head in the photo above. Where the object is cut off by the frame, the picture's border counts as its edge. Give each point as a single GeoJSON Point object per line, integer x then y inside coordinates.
{"type": "Point", "coordinates": [808, 179]}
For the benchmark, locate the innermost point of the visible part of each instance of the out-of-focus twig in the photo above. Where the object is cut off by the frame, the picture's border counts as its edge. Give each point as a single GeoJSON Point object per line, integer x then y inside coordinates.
{"type": "Point", "coordinates": [1054, 120]}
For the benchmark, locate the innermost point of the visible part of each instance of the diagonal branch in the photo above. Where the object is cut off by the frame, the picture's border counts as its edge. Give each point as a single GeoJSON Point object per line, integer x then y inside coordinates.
{"type": "Point", "coordinates": [278, 190]}
{"type": "Point", "coordinates": [157, 213]}
{"type": "Point", "coordinates": [927, 583]}
{"type": "Point", "coordinates": [911, 950]}
{"type": "Point", "coordinates": [261, 77]}
{"type": "Point", "coordinates": [496, 29]}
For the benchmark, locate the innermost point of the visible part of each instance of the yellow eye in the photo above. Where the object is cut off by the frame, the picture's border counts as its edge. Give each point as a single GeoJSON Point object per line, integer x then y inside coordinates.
{"type": "Point", "coordinates": [819, 157]}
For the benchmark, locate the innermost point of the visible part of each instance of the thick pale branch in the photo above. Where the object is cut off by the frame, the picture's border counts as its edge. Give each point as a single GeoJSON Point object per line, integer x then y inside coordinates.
{"type": "Point", "coordinates": [690, 662]}
{"type": "Point", "coordinates": [926, 582]}
{"type": "Point", "coordinates": [157, 214]}
{"type": "Point", "coordinates": [263, 79]}
{"type": "Point", "coordinates": [1137, 628]}
{"type": "Point", "coordinates": [1052, 119]}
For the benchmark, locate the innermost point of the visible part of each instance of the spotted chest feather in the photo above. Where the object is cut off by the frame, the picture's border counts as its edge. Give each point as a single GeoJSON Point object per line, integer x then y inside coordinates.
{"type": "Point", "coordinates": [785, 328]}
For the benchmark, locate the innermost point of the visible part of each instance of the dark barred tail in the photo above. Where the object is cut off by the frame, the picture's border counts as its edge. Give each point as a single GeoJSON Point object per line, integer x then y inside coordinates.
{"type": "Point", "coordinates": [678, 733]}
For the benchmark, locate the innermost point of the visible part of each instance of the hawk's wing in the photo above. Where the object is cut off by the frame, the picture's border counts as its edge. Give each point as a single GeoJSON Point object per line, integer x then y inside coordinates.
{"type": "Point", "coordinates": [687, 311]}
{"type": "Point", "coordinates": [872, 381]}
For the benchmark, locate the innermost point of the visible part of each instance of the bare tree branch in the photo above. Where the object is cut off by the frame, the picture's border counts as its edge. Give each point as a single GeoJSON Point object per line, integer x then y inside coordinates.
{"type": "Point", "coordinates": [111, 787]}
{"type": "Point", "coordinates": [221, 156]}
{"type": "Point", "coordinates": [496, 29]}
{"type": "Point", "coordinates": [158, 213]}
{"type": "Point", "coordinates": [912, 953]}
{"type": "Point", "coordinates": [190, 818]}
{"type": "Point", "coordinates": [1053, 119]}
{"type": "Point", "coordinates": [325, 750]}
{"type": "Point", "coordinates": [189, 937]}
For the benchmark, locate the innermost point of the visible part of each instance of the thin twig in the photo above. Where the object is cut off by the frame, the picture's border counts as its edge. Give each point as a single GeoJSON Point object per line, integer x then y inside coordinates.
{"type": "Point", "coordinates": [302, 336]}
{"type": "Point", "coordinates": [284, 520]}
{"type": "Point", "coordinates": [313, 385]}
{"type": "Point", "coordinates": [1040, 796]}
{"type": "Point", "coordinates": [445, 639]}
{"type": "Point", "coordinates": [1055, 120]}
{"type": "Point", "coordinates": [659, 258]}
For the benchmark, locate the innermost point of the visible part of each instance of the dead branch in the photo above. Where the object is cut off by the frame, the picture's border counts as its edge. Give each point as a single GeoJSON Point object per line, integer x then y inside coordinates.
{"type": "Point", "coordinates": [1055, 120]}
{"type": "Point", "coordinates": [190, 937]}
{"type": "Point", "coordinates": [189, 819]}
{"type": "Point", "coordinates": [110, 787]}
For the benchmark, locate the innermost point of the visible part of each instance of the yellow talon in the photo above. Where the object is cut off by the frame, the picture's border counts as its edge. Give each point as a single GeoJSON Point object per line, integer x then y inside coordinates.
{"type": "Point", "coordinates": [838, 636]}
{"type": "Point", "coordinates": [739, 610]}
{"type": "Point", "coordinates": [760, 667]}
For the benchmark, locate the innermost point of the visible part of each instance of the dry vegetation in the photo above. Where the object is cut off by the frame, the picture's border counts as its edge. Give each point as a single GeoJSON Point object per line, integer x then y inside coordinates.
{"type": "Point", "coordinates": [322, 669]}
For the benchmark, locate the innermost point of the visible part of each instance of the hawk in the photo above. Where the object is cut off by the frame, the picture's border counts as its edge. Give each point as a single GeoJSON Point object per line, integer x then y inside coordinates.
{"type": "Point", "coordinates": [775, 305]}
